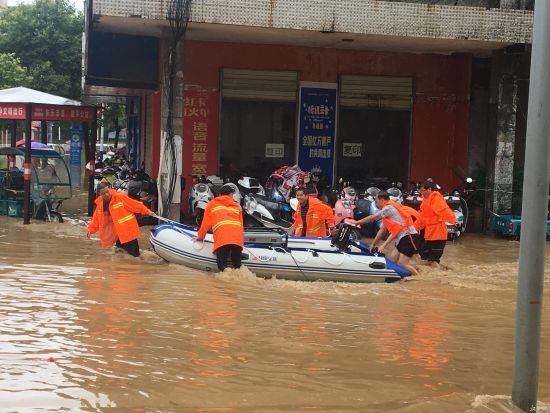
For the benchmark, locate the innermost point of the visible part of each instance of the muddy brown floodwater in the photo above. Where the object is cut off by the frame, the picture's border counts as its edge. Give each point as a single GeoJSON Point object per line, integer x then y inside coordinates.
{"type": "Point", "coordinates": [83, 329]}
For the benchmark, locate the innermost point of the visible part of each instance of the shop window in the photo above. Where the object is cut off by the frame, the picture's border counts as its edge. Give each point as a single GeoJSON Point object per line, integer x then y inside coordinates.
{"type": "Point", "coordinates": [256, 137]}
{"type": "Point", "coordinates": [373, 146]}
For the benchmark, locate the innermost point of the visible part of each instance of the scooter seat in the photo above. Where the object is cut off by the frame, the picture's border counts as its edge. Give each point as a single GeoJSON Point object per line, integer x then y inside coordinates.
{"type": "Point", "coordinates": [266, 202]}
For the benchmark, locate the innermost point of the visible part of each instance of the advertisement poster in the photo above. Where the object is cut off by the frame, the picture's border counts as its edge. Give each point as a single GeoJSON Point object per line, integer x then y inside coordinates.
{"type": "Point", "coordinates": [76, 145]}
{"type": "Point", "coordinates": [317, 128]}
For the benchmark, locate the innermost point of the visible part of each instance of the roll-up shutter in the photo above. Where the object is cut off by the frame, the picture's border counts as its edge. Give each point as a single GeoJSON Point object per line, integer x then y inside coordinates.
{"type": "Point", "coordinates": [376, 92]}
{"type": "Point", "coordinates": [257, 85]}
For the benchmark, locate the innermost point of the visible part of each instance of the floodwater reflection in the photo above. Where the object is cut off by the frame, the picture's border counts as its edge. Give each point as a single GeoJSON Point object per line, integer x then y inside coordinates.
{"type": "Point", "coordinates": [84, 329]}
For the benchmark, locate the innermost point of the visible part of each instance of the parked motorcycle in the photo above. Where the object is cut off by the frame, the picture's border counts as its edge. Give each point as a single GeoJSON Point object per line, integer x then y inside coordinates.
{"type": "Point", "coordinates": [265, 210]}
{"type": "Point", "coordinates": [343, 209]}
{"type": "Point", "coordinates": [199, 196]}
{"type": "Point", "coordinates": [395, 192]}
{"type": "Point", "coordinates": [413, 199]}
{"type": "Point", "coordinates": [364, 207]}
{"type": "Point", "coordinates": [457, 202]}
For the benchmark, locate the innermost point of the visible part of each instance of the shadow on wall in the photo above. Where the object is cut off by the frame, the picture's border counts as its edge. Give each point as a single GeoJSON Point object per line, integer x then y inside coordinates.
{"type": "Point", "coordinates": [489, 4]}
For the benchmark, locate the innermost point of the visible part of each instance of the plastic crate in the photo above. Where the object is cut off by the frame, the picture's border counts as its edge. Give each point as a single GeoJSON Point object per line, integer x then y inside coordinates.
{"type": "Point", "coordinates": [15, 208]}
{"type": "Point", "coordinates": [3, 207]}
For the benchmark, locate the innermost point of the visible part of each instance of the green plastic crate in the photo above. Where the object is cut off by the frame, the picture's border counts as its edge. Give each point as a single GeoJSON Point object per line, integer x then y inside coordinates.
{"type": "Point", "coordinates": [3, 207]}
{"type": "Point", "coordinates": [15, 208]}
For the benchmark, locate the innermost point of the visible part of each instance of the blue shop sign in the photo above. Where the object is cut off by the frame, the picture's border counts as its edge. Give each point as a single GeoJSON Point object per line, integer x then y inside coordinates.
{"type": "Point", "coordinates": [317, 129]}
{"type": "Point", "coordinates": [75, 150]}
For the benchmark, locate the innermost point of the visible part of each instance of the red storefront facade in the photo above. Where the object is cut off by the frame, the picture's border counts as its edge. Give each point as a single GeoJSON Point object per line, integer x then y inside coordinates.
{"type": "Point", "coordinates": [438, 139]}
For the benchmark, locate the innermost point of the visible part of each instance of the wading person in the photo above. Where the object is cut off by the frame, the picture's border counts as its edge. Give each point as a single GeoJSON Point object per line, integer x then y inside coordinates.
{"type": "Point", "coordinates": [312, 217]}
{"type": "Point", "coordinates": [434, 215]}
{"type": "Point", "coordinates": [115, 220]}
{"type": "Point", "coordinates": [399, 224]}
{"type": "Point", "coordinates": [223, 214]}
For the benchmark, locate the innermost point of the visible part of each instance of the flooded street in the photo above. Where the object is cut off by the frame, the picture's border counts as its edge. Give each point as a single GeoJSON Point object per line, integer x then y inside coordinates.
{"type": "Point", "coordinates": [83, 329]}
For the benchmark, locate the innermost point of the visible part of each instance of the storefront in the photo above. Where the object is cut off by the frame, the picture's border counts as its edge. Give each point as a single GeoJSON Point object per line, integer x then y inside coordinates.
{"type": "Point", "coordinates": [258, 121]}
{"type": "Point", "coordinates": [361, 115]}
{"type": "Point", "coordinates": [374, 129]}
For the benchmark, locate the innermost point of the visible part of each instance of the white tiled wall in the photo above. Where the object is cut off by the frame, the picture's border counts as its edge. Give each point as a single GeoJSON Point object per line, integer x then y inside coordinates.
{"type": "Point", "coordinates": [351, 16]}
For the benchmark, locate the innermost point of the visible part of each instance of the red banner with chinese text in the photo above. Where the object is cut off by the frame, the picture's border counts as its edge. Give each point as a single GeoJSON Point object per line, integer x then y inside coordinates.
{"type": "Point", "coordinates": [200, 136]}
{"type": "Point", "coordinates": [16, 111]}
{"type": "Point", "coordinates": [65, 113]}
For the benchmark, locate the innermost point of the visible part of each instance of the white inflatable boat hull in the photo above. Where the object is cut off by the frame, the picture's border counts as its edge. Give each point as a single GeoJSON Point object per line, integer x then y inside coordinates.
{"type": "Point", "coordinates": [304, 259]}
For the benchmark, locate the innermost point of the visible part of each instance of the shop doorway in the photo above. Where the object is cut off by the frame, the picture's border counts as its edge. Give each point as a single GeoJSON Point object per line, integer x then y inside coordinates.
{"type": "Point", "coordinates": [374, 127]}
{"type": "Point", "coordinates": [373, 146]}
{"type": "Point", "coordinates": [258, 122]}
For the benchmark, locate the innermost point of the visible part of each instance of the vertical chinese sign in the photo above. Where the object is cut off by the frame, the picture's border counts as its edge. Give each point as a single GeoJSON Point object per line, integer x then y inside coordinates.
{"type": "Point", "coordinates": [76, 139]}
{"type": "Point", "coordinates": [200, 136]}
{"type": "Point", "coordinates": [317, 127]}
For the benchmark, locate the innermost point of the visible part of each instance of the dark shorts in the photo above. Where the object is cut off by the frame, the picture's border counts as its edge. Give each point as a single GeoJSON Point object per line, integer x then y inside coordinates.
{"type": "Point", "coordinates": [409, 245]}
{"type": "Point", "coordinates": [432, 250]}
{"type": "Point", "coordinates": [223, 253]}
{"type": "Point", "coordinates": [131, 247]}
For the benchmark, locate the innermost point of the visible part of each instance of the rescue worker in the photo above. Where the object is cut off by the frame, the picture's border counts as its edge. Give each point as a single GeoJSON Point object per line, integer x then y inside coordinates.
{"type": "Point", "coordinates": [224, 215]}
{"type": "Point", "coordinates": [434, 215]}
{"type": "Point", "coordinates": [115, 220]}
{"type": "Point", "coordinates": [399, 224]}
{"type": "Point", "coordinates": [312, 217]}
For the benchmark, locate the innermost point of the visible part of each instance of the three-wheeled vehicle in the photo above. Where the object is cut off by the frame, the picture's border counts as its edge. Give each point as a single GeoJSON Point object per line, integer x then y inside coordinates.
{"type": "Point", "coordinates": [509, 226]}
{"type": "Point", "coordinates": [50, 183]}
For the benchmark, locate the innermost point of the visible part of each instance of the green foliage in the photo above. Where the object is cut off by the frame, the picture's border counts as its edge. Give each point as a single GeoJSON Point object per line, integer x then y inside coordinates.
{"type": "Point", "coordinates": [113, 116]}
{"type": "Point", "coordinates": [47, 38]}
{"type": "Point", "coordinates": [12, 73]}
{"type": "Point", "coordinates": [46, 79]}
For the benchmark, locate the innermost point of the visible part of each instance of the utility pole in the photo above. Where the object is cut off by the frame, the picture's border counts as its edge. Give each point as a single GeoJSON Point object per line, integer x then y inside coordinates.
{"type": "Point", "coordinates": [534, 216]}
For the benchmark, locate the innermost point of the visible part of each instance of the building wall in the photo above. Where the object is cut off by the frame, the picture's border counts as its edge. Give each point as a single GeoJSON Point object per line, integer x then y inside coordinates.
{"type": "Point", "coordinates": [441, 103]}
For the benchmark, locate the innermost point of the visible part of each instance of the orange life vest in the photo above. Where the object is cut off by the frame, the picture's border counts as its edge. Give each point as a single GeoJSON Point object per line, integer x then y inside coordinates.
{"type": "Point", "coordinates": [121, 212]}
{"type": "Point", "coordinates": [434, 214]}
{"type": "Point", "coordinates": [225, 217]}
{"type": "Point", "coordinates": [318, 216]}
{"type": "Point", "coordinates": [415, 215]}
{"type": "Point", "coordinates": [395, 227]}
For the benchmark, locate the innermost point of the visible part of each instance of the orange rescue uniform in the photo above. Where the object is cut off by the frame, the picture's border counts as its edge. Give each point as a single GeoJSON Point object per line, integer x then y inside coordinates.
{"type": "Point", "coordinates": [318, 216]}
{"type": "Point", "coordinates": [394, 227]}
{"type": "Point", "coordinates": [121, 210]}
{"type": "Point", "coordinates": [434, 214]}
{"type": "Point", "coordinates": [224, 216]}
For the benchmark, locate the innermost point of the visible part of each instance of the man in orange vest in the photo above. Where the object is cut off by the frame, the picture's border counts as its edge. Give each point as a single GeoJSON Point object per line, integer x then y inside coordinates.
{"type": "Point", "coordinates": [400, 226]}
{"type": "Point", "coordinates": [224, 215]}
{"type": "Point", "coordinates": [434, 215]}
{"type": "Point", "coordinates": [312, 216]}
{"type": "Point", "coordinates": [115, 220]}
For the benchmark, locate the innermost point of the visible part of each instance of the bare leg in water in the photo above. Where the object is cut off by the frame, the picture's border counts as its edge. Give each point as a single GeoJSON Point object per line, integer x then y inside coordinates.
{"type": "Point", "coordinates": [405, 262]}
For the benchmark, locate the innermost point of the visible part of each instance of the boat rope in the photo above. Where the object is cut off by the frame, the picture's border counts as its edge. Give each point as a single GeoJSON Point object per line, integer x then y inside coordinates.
{"type": "Point", "coordinates": [332, 263]}
{"type": "Point", "coordinates": [351, 257]}
{"type": "Point", "coordinates": [297, 260]}
{"type": "Point", "coordinates": [261, 259]}
{"type": "Point", "coordinates": [306, 278]}
{"type": "Point", "coordinates": [194, 241]}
